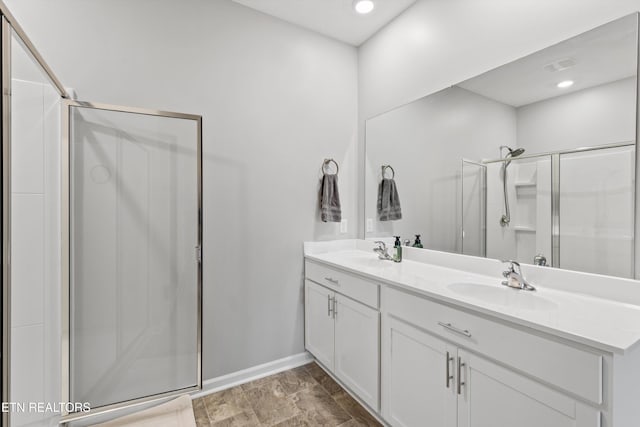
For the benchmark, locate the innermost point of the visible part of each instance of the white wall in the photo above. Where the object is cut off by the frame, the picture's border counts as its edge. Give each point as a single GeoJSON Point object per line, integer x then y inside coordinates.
{"type": "Point", "coordinates": [275, 99]}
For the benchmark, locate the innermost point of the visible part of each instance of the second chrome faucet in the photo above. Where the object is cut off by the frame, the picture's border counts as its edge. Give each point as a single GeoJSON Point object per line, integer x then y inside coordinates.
{"type": "Point", "coordinates": [515, 278]}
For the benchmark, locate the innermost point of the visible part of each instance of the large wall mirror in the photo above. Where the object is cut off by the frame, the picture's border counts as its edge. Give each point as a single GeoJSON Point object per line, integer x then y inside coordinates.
{"type": "Point", "coordinates": [532, 161]}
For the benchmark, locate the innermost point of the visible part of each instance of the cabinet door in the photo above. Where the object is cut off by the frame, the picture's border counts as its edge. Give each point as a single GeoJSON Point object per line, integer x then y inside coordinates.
{"type": "Point", "coordinates": [357, 341]}
{"type": "Point", "coordinates": [415, 389]}
{"type": "Point", "coordinates": [495, 396]}
{"type": "Point", "coordinates": [318, 323]}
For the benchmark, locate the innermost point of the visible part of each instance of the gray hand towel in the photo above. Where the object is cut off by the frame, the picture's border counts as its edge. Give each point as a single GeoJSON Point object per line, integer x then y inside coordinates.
{"type": "Point", "coordinates": [388, 201]}
{"type": "Point", "coordinates": [330, 199]}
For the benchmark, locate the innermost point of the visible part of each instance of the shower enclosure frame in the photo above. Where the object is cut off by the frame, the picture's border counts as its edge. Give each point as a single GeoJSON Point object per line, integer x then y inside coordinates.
{"type": "Point", "coordinates": [68, 104]}
{"type": "Point", "coordinates": [10, 27]}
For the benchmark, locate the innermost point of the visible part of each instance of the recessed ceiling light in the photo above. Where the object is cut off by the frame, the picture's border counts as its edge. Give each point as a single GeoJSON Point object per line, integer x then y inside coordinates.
{"type": "Point", "coordinates": [565, 84]}
{"type": "Point", "coordinates": [363, 6]}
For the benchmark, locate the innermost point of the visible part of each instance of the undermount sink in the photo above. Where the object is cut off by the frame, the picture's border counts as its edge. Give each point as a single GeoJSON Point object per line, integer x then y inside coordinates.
{"type": "Point", "coordinates": [502, 295]}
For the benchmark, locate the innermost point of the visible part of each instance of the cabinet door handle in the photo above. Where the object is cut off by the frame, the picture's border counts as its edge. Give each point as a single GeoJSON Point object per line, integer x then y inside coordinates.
{"type": "Point", "coordinates": [332, 280]}
{"type": "Point", "coordinates": [329, 308]}
{"type": "Point", "coordinates": [335, 307]}
{"type": "Point", "coordinates": [448, 369]}
{"type": "Point", "coordinates": [452, 328]}
{"type": "Point", "coordinates": [460, 382]}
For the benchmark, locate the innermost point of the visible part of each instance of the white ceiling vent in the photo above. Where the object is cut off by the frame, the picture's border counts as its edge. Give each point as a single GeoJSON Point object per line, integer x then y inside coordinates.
{"type": "Point", "coordinates": [560, 65]}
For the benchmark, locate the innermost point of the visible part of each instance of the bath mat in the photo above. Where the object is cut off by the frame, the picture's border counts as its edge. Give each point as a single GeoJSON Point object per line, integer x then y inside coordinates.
{"type": "Point", "coordinates": [175, 413]}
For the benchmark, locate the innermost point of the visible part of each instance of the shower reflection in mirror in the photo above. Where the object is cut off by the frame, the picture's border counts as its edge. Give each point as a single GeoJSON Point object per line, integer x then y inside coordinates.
{"type": "Point", "coordinates": [594, 194]}
{"type": "Point", "coordinates": [548, 169]}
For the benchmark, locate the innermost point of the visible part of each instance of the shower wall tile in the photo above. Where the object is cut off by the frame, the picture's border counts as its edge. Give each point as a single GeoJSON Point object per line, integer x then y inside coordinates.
{"type": "Point", "coordinates": [36, 251]}
{"type": "Point", "coordinates": [27, 148]}
{"type": "Point", "coordinates": [27, 263]}
{"type": "Point", "coordinates": [27, 360]}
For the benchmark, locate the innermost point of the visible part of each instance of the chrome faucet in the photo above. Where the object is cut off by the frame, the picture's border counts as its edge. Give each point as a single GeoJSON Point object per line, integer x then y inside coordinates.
{"type": "Point", "coordinates": [515, 278]}
{"type": "Point", "coordinates": [382, 251]}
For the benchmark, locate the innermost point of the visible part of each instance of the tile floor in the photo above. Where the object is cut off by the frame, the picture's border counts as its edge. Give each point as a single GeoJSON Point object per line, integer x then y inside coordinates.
{"type": "Point", "coordinates": [304, 396]}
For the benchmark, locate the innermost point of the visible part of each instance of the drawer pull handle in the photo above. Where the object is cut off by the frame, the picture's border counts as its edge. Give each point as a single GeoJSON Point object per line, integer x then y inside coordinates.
{"type": "Point", "coordinates": [452, 328]}
{"type": "Point", "coordinates": [332, 280]}
{"type": "Point", "coordinates": [449, 376]}
{"type": "Point", "coordinates": [460, 382]}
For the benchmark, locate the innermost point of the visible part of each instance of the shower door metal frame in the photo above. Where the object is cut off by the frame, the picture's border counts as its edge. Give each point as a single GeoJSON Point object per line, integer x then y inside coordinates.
{"type": "Point", "coordinates": [66, 255]}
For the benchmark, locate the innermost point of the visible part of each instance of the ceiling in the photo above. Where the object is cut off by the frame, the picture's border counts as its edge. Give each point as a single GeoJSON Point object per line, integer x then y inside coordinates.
{"type": "Point", "coordinates": [333, 18]}
{"type": "Point", "coordinates": [603, 55]}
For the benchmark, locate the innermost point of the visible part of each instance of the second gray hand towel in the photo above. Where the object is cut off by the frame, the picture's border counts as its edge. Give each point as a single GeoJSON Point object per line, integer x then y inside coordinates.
{"type": "Point", "coordinates": [388, 201]}
{"type": "Point", "coordinates": [330, 199]}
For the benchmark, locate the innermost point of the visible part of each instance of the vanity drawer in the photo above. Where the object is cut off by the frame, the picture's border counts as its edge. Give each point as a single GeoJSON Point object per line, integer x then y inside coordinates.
{"type": "Point", "coordinates": [572, 368]}
{"type": "Point", "coordinates": [342, 282]}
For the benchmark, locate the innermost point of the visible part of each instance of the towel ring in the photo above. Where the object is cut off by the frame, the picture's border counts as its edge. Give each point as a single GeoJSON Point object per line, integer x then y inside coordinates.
{"type": "Point", "coordinates": [326, 163]}
{"type": "Point", "coordinates": [384, 169]}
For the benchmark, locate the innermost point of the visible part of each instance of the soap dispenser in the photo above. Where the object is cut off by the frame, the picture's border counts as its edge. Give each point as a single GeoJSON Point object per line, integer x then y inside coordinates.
{"type": "Point", "coordinates": [397, 250]}
{"type": "Point", "coordinates": [417, 243]}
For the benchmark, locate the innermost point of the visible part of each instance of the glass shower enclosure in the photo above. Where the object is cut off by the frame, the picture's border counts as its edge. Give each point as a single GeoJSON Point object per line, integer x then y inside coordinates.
{"type": "Point", "coordinates": [101, 247]}
{"type": "Point", "coordinates": [134, 278]}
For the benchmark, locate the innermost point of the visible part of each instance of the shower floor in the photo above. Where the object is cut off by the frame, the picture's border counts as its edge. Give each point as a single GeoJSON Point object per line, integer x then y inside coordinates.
{"type": "Point", "coordinates": [304, 396]}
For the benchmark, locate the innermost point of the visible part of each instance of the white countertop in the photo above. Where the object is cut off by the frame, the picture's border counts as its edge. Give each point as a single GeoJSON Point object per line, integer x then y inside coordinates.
{"type": "Point", "coordinates": [605, 324]}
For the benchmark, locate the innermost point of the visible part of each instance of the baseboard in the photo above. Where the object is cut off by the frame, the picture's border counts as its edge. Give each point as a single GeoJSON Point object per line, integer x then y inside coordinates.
{"type": "Point", "coordinates": [256, 372]}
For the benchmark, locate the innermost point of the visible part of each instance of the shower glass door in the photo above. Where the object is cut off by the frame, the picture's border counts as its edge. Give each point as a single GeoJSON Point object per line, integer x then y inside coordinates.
{"type": "Point", "coordinates": [134, 278]}
{"type": "Point", "coordinates": [474, 198]}
{"type": "Point", "coordinates": [597, 202]}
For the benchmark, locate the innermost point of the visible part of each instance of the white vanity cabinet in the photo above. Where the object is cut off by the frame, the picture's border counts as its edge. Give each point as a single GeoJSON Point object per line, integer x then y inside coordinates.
{"type": "Point", "coordinates": [431, 370]}
{"type": "Point", "coordinates": [491, 395]}
{"type": "Point", "coordinates": [342, 328]}
{"type": "Point", "coordinates": [319, 323]}
{"type": "Point", "coordinates": [418, 377]}
{"type": "Point", "coordinates": [418, 353]}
